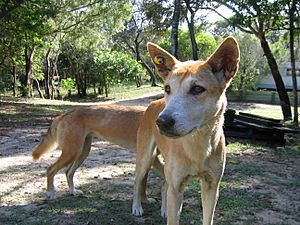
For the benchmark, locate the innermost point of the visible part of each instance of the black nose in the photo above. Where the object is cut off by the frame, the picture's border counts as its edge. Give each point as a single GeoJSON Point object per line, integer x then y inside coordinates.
{"type": "Point", "coordinates": [165, 122]}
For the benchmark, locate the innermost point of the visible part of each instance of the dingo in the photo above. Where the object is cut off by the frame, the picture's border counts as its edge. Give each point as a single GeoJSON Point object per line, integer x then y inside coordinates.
{"type": "Point", "coordinates": [186, 126]}
{"type": "Point", "coordinates": [73, 131]}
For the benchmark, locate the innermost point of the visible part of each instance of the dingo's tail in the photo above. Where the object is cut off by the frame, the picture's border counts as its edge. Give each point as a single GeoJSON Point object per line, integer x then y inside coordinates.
{"type": "Point", "coordinates": [48, 142]}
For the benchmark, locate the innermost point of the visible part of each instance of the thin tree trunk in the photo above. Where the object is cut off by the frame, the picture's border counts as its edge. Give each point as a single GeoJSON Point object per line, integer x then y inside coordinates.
{"type": "Point", "coordinates": [105, 86]}
{"type": "Point", "coordinates": [150, 72]}
{"type": "Point", "coordinates": [47, 75]}
{"type": "Point", "coordinates": [55, 78]}
{"type": "Point", "coordinates": [175, 25]}
{"type": "Point", "coordinates": [191, 26]}
{"type": "Point", "coordinates": [283, 96]}
{"type": "Point", "coordinates": [38, 88]}
{"type": "Point", "coordinates": [14, 71]}
{"type": "Point", "coordinates": [139, 59]}
{"type": "Point", "coordinates": [192, 37]}
{"type": "Point", "coordinates": [29, 53]}
{"type": "Point", "coordinates": [292, 54]}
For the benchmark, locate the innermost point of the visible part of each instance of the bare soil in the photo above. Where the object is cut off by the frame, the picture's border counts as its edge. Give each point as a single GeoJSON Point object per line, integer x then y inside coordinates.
{"type": "Point", "coordinates": [22, 181]}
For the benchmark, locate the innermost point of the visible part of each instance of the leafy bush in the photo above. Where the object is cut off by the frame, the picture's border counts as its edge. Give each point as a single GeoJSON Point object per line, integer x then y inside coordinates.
{"type": "Point", "coordinates": [114, 67]}
{"type": "Point", "coordinates": [206, 45]}
{"type": "Point", "coordinates": [5, 80]}
{"type": "Point", "coordinates": [117, 67]}
{"type": "Point", "coordinates": [68, 84]}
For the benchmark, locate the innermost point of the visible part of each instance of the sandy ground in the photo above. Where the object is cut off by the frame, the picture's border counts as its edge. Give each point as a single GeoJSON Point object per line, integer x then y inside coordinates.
{"type": "Point", "coordinates": [20, 177]}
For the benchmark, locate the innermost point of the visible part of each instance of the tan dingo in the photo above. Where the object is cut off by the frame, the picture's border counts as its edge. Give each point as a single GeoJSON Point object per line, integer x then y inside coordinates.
{"type": "Point", "coordinates": [186, 126]}
{"type": "Point", "coordinates": [73, 132]}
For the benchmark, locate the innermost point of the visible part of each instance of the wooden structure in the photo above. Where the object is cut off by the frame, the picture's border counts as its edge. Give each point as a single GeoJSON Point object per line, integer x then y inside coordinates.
{"type": "Point", "coordinates": [249, 126]}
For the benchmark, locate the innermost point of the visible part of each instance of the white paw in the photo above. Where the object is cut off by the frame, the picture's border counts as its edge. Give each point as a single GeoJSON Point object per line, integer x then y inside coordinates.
{"type": "Point", "coordinates": [50, 195]}
{"type": "Point", "coordinates": [137, 210]}
{"type": "Point", "coordinates": [163, 212]}
{"type": "Point", "coordinates": [151, 201]}
{"type": "Point", "coordinates": [75, 192]}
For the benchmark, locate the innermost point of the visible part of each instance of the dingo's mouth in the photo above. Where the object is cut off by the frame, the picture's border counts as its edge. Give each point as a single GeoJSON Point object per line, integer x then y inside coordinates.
{"type": "Point", "coordinates": [174, 134]}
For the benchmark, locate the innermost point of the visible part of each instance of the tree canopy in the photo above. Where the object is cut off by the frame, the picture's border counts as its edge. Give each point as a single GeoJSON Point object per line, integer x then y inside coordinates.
{"type": "Point", "coordinates": [48, 46]}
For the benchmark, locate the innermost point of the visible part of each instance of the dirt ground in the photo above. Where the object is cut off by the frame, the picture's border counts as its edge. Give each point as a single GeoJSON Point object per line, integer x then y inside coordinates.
{"type": "Point", "coordinates": [22, 181]}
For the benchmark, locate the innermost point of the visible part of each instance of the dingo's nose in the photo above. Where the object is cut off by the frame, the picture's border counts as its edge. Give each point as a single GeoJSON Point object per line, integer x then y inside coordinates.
{"type": "Point", "coordinates": [165, 122]}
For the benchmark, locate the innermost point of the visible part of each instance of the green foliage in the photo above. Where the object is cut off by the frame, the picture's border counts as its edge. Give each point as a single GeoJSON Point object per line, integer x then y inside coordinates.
{"type": "Point", "coordinates": [206, 45]}
{"type": "Point", "coordinates": [280, 48]}
{"type": "Point", "coordinates": [117, 67]}
{"type": "Point", "coordinates": [48, 25]}
{"type": "Point", "coordinates": [70, 33]}
{"type": "Point", "coordinates": [68, 83]}
{"type": "Point", "coordinates": [252, 63]}
{"type": "Point", "coordinates": [5, 79]}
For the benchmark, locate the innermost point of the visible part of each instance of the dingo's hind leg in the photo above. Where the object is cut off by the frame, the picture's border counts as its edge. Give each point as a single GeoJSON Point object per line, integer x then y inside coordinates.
{"type": "Point", "coordinates": [70, 151]}
{"type": "Point", "coordinates": [74, 166]}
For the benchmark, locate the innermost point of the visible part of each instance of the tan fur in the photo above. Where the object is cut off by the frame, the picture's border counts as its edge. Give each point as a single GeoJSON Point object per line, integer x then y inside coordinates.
{"type": "Point", "coordinates": [48, 142]}
{"type": "Point", "coordinates": [73, 132]}
{"type": "Point", "coordinates": [187, 128]}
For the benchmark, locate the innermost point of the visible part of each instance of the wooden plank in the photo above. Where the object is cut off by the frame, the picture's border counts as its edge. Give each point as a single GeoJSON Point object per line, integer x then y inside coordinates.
{"type": "Point", "coordinates": [261, 117]}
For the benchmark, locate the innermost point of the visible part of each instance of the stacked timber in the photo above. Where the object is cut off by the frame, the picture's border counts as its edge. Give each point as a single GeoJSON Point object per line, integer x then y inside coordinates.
{"type": "Point", "coordinates": [249, 126]}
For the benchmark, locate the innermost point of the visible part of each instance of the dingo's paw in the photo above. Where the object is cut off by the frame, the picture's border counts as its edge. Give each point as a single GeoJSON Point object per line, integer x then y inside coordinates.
{"type": "Point", "coordinates": [75, 192]}
{"type": "Point", "coordinates": [50, 195]}
{"type": "Point", "coordinates": [151, 201]}
{"type": "Point", "coordinates": [163, 212]}
{"type": "Point", "coordinates": [137, 210]}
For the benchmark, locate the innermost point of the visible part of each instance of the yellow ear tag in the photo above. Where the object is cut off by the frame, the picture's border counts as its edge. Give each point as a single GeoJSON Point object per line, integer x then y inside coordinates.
{"type": "Point", "coordinates": [159, 60]}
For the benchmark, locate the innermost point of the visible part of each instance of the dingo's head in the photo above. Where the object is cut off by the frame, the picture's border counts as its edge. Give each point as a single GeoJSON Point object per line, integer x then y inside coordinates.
{"type": "Point", "coordinates": [194, 90]}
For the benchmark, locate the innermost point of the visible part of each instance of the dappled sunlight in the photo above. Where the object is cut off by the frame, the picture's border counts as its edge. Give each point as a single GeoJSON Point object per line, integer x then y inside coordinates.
{"type": "Point", "coordinates": [259, 182]}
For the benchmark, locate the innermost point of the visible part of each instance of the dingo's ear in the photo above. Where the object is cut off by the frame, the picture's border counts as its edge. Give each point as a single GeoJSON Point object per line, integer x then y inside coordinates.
{"type": "Point", "coordinates": [224, 61]}
{"type": "Point", "coordinates": [163, 61]}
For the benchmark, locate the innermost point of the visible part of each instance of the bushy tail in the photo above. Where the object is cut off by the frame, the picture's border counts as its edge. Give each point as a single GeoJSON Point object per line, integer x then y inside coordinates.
{"type": "Point", "coordinates": [48, 143]}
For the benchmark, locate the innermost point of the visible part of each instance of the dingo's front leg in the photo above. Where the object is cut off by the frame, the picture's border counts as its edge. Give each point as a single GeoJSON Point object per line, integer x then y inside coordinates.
{"type": "Point", "coordinates": [144, 157]}
{"type": "Point", "coordinates": [174, 204]}
{"type": "Point", "coordinates": [209, 196]}
{"type": "Point", "coordinates": [175, 178]}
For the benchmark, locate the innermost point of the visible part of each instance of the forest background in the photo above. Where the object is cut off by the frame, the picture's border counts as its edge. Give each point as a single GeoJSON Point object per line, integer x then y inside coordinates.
{"type": "Point", "coordinates": [54, 48]}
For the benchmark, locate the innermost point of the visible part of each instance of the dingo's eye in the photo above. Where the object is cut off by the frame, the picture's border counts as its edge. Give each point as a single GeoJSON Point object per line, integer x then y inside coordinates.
{"type": "Point", "coordinates": [167, 89]}
{"type": "Point", "coordinates": [196, 90]}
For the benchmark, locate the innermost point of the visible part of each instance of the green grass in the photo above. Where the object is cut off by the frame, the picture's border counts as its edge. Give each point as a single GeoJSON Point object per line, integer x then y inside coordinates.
{"type": "Point", "coordinates": [274, 112]}
{"type": "Point", "coordinates": [131, 91]}
{"type": "Point", "coordinates": [118, 92]}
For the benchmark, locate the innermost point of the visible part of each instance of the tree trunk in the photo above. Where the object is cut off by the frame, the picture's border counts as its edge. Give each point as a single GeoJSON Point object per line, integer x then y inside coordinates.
{"type": "Point", "coordinates": [138, 81]}
{"type": "Point", "coordinates": [55, 78]}
{"type": "Point", "coordinates": [84, 85]}
{"type": "Point", "coordinates": [192, 36]}
{"type": "Point", "coordinates": [150, 72]}
{"type": "Point", "coordinates": [105, 83]}
{"type": "Point", "coordinates": [78, 84]}
{"type": "Point", "coordinates": [292, 53]}
{"type": "Point", "coordinates": [175, 25]}
{"type": "Point", "coordinates": [38, 88]}
{"type": "Point", "coordinates": [191, 26]}
{"type": "Point", "coordinates": [14, 71]}
{"type": "Point", "coordinates": [283, 96]}
{"type": "Point", "coordinates": [47, 75]}
{"type": "Point", "coordinates": [141, 61]}
{"type": "Point", "coordinates": [29, 53]}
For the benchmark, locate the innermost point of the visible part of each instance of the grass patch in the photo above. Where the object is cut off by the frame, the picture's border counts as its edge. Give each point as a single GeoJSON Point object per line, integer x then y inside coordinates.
{"type": "Point", "coordinates": [119, 92]}
{"type": "Point", "coordinates": [234, 201]}
{"type": "Point", "coordinates": [274, 112]}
